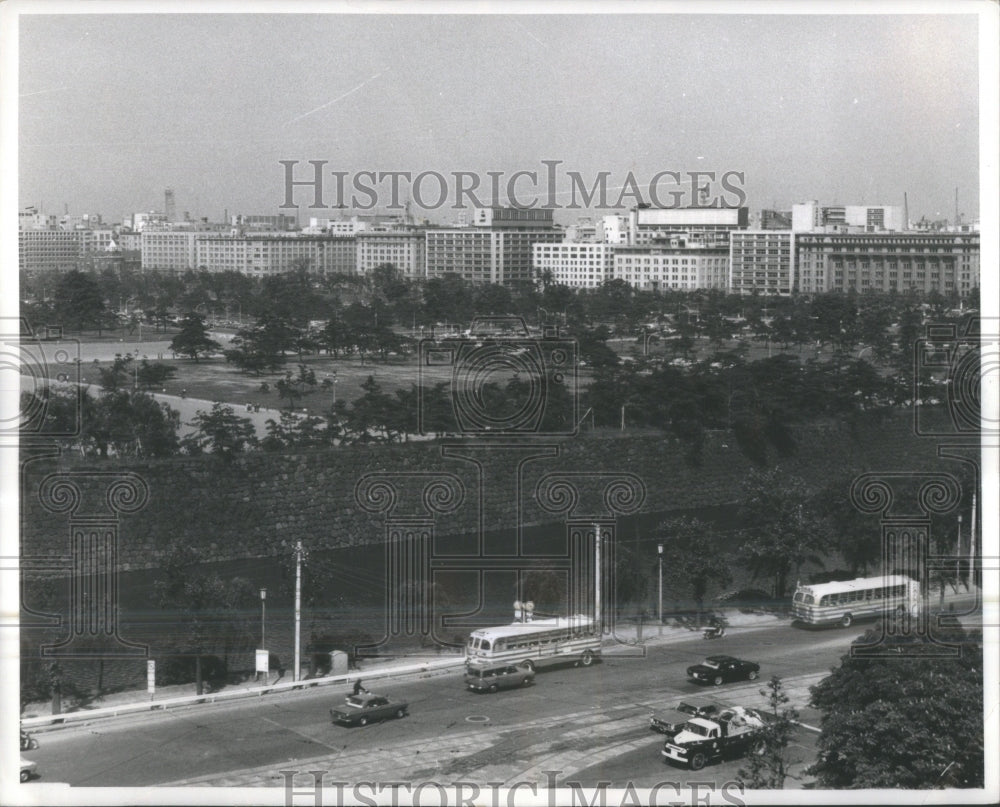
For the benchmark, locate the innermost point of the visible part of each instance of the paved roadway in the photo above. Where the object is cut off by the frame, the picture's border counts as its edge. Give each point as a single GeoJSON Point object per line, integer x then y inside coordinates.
{"type": "Point", "coordinates": [588, 724]}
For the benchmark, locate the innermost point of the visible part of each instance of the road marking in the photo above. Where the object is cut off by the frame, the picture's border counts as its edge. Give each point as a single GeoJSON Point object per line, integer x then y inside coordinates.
{"type": "Point", "coordinates": [301, 734]}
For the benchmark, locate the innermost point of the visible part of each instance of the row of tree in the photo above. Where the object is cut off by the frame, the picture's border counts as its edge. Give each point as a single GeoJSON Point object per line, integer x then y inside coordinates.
{"type": "Point", "coordinates": [93, 301]}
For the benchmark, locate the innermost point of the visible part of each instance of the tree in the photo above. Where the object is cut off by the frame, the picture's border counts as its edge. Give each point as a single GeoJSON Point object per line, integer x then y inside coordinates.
{"type": "Point", "coordinates": [295, 387]}
{"type": "Point", "coordinates": [79, 301]}
{"type": "Point", "coordinates": [212, 610]}
{"type": "Point", "coordinates": [767, 764]}
{"type": "Point", "coordinates": [220, 432]}
{"type": "Point", "coordinates": [262, 346]}
{"type": "Point", "coordinates": [786, 531]}
{"type": "Point", "coordinates": [909, 720]}
{"type": "Point", "coordinates": [154, 374]}
{"type": "Point", "coordinates": [118, 376]}
{"type": "Point", "coordinates": [193, 339]}
{"type": "Point", "coordinates": [132, 424]}
{"type": "Point", "coordinates": [693, 556]}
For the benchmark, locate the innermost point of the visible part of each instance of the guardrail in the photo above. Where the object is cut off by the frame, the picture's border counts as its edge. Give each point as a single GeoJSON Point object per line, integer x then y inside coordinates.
{"type": "Point", "coordinates": [235, 694]}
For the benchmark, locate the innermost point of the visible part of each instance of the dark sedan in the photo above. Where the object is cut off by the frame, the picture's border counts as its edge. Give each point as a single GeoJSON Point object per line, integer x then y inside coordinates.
{"type": "Point", "coordinates": [365, 708]}
{"type": "Point", "coordinates": [672, 720]}
{"type": "Point", "coordinates": [718, 670]}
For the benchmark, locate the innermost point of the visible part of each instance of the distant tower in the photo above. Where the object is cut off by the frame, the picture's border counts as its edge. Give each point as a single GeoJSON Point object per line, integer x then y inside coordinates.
{"type": "Point", "coordinates": [906, 212]}
{"type": "Point", "coordinates": [168, 202]}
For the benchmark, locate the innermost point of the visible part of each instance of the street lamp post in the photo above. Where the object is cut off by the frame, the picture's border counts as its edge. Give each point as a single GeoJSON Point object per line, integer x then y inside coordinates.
{"type": "Point", "coordinates": [659, 552]}
{"type": "Point", "coordinates": [263, 616]}
{"type": "Point", "coordinates": [298, 609]}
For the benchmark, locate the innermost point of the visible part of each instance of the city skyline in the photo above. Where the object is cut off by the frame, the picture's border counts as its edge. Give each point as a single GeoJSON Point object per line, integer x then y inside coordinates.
{"type": "Point", "coordinates": [779, 98]}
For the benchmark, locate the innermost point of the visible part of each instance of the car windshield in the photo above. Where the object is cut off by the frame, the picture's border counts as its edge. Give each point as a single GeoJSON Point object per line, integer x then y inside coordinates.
{"type": "Point", "coordinates": [687, 708]}
{"type": "Point", "coordinates": [356, 701]}
{"type": "Point", "coordinates": [695, 728]}
{"type": "Point", "coordinates": [712, 665]}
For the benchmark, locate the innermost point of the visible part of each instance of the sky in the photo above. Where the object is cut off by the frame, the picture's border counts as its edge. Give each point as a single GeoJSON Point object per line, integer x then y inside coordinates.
{"type": "Point", "coordinates": [845, 109]}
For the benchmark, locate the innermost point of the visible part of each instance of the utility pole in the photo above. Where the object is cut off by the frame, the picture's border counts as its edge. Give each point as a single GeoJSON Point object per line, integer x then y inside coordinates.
{"type": "Point", "coordinates": [597, 578]}
{"type": "Point", "coordinates": [972, 544]}
{"type": "Point", "coordinates": [298, 609]}
{"type": "Point", "coordinates": [659, 551]}
{"type": "Point", "coordinates": [958, 554]}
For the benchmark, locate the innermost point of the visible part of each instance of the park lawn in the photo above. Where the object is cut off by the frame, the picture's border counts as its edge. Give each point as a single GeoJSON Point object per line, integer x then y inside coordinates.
{"type": "Point", "coordinates": [213, 379]}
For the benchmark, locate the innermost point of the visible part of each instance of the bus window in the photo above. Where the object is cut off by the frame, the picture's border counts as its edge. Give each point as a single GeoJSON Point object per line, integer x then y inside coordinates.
{"type": "Point", "coordinates": [485, 644]}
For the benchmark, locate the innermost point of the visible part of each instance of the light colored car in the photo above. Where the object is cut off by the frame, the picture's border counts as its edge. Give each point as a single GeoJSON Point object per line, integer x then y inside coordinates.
{"type": "Point", "coordinates": [490, 678]}
{"type": "Point", "coordinates": [28, 769]}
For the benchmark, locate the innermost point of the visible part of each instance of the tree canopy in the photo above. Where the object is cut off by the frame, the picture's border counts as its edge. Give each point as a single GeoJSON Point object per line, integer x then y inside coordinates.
{"type": "Point", "coordinates": [904, 721]}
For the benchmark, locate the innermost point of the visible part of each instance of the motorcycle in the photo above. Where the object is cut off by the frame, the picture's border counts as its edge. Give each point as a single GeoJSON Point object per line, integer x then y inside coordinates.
{"type": "Point", "coordinates": [714, 632]}
{"type": "Point", "coordinates": [28, 743]}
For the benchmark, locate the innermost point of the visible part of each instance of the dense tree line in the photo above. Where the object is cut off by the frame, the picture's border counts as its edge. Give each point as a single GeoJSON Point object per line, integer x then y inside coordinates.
{"type": "Point", "coordinates": [86, 300]}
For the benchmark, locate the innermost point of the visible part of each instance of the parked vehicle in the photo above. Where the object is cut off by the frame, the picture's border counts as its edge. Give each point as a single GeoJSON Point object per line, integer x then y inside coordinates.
{"type": "Point", "coordinates": [718, 670]}
{"type": "Point", "coordinates": [702, 740]}
{"type": "Point", "coordinates": [367, 707]}
{"type": "Point", "coordinates": [493, 677]}
{"type": "Point", "coordinates": [670, 721]}
{"type": "Point", "coordinates": [28, 769]}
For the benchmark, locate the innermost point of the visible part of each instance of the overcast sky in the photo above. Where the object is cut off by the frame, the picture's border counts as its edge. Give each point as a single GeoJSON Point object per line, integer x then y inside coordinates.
{"type": "Point", "coordinates": [843, 109]}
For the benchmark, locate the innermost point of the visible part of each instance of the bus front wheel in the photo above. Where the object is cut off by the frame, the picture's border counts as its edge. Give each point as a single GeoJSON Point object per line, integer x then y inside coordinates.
{"type": "Point", "coordinates": [529, 665]}
{"type": "Point", "coordinates": [587, 658]}
{"type": "Point", "coordinates": [846, 620]}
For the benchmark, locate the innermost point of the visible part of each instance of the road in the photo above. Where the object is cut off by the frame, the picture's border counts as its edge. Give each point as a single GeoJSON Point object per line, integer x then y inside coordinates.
{"type": "Point", "coordinates": [587, 724]}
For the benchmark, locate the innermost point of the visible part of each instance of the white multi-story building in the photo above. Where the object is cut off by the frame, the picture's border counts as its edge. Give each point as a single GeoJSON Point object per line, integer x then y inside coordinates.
{"type": "Point", "coordinates": [404, 250]}
{"type": "Point", "coordinates": [675, 265]}
{"type": "Point", "coordinates": [648, 225]}
{"type": "Point", "coordinates": [168, 250]}
{"type": "Point", "coordinates": [812, 217]}
{"type": "Point", "coordinates": [260, 255]}
{"type": "Point", "coordinates": [497, 248]}
{"type": "Point", "coordinates": [579, 265]}
{"type": "Point", "coordinates": [45, 249]}
{"type": "Point", "coordinates": [761, 261]}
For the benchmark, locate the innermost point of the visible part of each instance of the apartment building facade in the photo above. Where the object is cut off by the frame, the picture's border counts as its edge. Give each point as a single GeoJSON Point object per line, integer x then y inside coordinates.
{"type": "Point", "coordinates": [761, 261]}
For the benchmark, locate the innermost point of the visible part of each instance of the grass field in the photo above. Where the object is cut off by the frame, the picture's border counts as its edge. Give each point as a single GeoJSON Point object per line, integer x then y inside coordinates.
{"type": "Point", "coordinates": [214, 379]}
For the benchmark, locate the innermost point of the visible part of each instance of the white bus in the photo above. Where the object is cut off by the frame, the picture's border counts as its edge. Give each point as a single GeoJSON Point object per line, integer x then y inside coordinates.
{"type": "Point", "coordinates": [535, 644]}
{"type": "Point", "coordinates": [847, 600]}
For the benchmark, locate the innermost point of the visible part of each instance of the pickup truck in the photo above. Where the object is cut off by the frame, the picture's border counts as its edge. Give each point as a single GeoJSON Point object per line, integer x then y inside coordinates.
{"type": "Point", "coordinates": [708, 739]}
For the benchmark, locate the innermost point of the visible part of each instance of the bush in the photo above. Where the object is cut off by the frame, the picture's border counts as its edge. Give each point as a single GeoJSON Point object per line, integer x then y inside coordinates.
{"type": "Point", "coordinates": [182, 670]}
